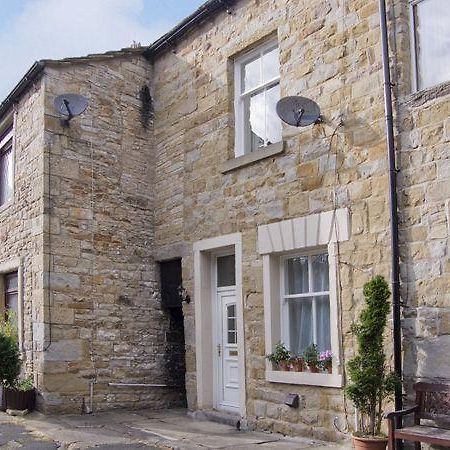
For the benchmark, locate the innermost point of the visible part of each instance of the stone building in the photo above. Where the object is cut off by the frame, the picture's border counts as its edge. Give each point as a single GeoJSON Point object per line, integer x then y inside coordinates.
{"type": "Point", "coordinates": [181, 173]}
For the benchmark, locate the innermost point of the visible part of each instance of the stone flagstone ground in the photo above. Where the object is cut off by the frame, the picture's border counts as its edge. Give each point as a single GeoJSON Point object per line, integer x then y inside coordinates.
{"type": "Point", "coordinates": [138, 430]}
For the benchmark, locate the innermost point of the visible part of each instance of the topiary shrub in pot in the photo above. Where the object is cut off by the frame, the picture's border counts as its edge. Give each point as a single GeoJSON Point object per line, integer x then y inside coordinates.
{"type": "Point", "coordinates": [371, 383]}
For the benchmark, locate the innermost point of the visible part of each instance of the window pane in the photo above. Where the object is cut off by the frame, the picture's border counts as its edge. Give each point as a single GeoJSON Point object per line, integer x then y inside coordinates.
{"type": "Point", "coordinates": [273, 122]}
{"type": "Point", "coordinates": [11, 303]}
{"type": "Point", "coordinates": [257, 120]}
{"type": "Point", "coordinates": [271, 64]}
{"type": "Point", "coordinates": [297, 275]}
{"type": "Point", "coordinates": [232, 337]}
{"type": "Point", "coordinates": [300, 325]}
{"type": "Point", "coordinates": [6, 175]}
{"type": "Point", "coordinates": [226, 275]}
{"type": "Point", "coordinates": [319, 265]}
{"type": "Point", "coordinates": [252, 74]}
{"type": "Point", "coordinates": [11, 282]}
{"type": "Point", "coordinates": [432, 18]}
{"type": "Point", "coordinates": [323, 323]}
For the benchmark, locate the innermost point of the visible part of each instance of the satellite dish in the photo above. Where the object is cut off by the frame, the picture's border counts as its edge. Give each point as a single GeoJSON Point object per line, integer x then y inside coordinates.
{"type": "Point", "coordinates": [70, 105]}
{"type": "Point", "coordinates": [298, 111]}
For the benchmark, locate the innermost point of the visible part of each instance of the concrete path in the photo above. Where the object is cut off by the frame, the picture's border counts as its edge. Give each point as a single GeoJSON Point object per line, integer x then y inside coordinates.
{"type": "Point", "coordinates": [172, 429]}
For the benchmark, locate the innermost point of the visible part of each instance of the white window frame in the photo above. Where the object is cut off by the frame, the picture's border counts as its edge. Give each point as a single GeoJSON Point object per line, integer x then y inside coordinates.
{"type": "Point", "coordinates": [299, 236]}
{"type": "Point", "coordinates": [285, 318]}
{"type": "Point", "coordinates": [7, 139]}
{"type": "Point", "coordinates": [413, 39]}
{"type": "Point", "coordinates": [241, 143]}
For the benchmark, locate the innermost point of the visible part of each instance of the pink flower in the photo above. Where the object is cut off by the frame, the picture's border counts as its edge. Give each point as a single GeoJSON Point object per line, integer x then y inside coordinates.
{"type": "Point", "coordinates": [327, 355]}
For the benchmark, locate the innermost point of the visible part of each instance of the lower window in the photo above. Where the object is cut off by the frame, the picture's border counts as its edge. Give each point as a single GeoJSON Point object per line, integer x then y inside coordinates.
{"type": "Point", "coordinates": [305, 301]}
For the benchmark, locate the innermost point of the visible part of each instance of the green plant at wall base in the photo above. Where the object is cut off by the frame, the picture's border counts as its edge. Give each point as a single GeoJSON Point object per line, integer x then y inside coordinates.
{"type": "Point", "coordinates": [311, 356]}
{"type": "Point", "coordinates": [281, 353]}
{"type": "Point", "coordinates": [371, 383]}
{"type": "Point", "coordinates": [10, 360]}
{"type": "Point", "coordinates": [25, 384]}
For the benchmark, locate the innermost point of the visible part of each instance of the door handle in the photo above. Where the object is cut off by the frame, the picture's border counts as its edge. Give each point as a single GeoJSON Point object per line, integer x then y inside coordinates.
{"type": "Point", "coordinates": [219, 349]}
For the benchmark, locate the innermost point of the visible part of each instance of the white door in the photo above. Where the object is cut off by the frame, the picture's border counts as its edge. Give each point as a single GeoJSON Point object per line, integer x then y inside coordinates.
{"type": "Point", "coordinates": [227, 349]}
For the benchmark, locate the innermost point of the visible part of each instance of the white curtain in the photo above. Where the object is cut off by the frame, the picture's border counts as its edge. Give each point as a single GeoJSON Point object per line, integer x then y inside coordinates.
{"type": "Point", "coordinates": [301, 325]}
{"type": "Point", "coordinates": [432, 18]}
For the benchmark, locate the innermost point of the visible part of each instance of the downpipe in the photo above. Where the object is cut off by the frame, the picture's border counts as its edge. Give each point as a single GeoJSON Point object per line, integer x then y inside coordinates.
{"type": "Point", "coordinates": [395, 262]}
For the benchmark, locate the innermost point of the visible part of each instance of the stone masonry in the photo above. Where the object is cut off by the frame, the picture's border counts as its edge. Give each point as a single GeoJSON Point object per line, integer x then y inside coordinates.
{"type": "Point", "coordinates": [101, 201]}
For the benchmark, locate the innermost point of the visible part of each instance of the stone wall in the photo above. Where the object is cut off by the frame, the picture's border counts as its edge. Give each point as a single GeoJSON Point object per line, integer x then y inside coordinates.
{"type": "Point", "coordinates": [21, 221]}
{"type": "Point", "coordinates": [330, 52]}
{"type": "Point", "coordinates": [423, 128]}
{"type": "Point", "coordinates": [105, 323]}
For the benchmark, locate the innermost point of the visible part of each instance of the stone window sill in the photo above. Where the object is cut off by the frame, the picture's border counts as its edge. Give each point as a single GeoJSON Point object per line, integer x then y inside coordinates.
{"type": "Point", "coordinates": [250, 158]}
{"type": "Point", "coordinates": [307, 378]}
{"type": "Point", "coordinates": [422, 96]}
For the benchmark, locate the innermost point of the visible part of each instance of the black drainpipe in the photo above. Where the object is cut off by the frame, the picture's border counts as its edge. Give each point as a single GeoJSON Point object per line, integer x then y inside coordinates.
{"type": "Point", "coordinates": [396, 315]}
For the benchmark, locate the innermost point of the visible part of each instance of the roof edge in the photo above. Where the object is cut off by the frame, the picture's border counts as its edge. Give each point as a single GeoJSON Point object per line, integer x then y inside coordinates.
{"type": "Point", "coordinates": [185, 26]}
{"type": "Point", "coordinates": [21, 87]}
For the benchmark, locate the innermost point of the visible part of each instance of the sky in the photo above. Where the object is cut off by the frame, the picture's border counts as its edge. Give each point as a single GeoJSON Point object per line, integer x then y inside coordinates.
{"type": "Point", "coordinates": [31, 30]}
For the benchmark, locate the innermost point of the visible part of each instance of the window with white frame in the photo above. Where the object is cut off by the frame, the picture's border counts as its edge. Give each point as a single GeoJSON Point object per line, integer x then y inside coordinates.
{"type": "Point", "coordinates": [6, 167]}
{"type": "Point", "coordinates": [257, 91]}
{"type": "Point", "coordinates": [301, 292]}
{"type": "Point", "coordinates": [305, 297]}
{"type": "Point", "coordinates": [431, 42]}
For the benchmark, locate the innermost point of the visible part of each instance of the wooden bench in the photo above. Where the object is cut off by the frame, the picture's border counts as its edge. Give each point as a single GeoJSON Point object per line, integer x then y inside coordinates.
{"type": "Point", "coordinates": [433, 404]}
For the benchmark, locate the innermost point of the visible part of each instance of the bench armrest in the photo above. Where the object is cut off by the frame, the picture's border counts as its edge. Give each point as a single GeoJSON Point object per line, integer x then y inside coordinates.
{"type": "Point", "coordinates": [403, 412]}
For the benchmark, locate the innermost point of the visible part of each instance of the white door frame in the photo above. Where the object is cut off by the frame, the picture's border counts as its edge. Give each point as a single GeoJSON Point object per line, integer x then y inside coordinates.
{"type": "Point", "coordinates": [204, 252]}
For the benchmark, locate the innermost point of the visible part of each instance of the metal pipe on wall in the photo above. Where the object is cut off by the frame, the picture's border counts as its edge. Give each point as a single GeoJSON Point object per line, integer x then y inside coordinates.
{"type": "Point", "coordinates": [395, 254]}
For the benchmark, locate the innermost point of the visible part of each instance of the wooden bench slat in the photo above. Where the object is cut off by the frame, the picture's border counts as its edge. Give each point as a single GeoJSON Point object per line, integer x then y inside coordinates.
{"type": "Point", "coordinates": [430, 435]}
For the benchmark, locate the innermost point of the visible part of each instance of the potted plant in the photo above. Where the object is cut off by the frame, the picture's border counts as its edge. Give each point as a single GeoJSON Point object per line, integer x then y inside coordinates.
{"type": "Point", "coordinates": [297, 363]}
{"type": "Point", "coordinates": [16, 394]}
{"type": "Point", "coordinates": [9, 367]}
{"type": "Point", "coordinates": [280, 357]}
{"type": "Point", "coordinates": [311, 357]}
{"type": "Point", "coordinates": [21, 396]}
{"type": "Point", "coordinates": [326, 360]}
{"type": "Point", "coordinates": [371, 382]}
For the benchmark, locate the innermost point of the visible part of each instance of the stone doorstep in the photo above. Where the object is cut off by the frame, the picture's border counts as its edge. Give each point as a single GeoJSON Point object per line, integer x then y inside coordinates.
{"type": "Point", "coordinates": [227, 418]}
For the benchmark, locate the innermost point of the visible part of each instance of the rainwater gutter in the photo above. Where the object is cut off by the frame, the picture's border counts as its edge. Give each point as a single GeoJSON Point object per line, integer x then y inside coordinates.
{"type": "Point", "coordinates": [393, 203]}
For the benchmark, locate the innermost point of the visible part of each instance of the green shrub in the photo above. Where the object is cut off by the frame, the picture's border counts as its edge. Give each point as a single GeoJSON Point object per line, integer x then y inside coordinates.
{"type": "Point", "coordinates": [371, 383]}
{"type": "Point", "coordinates": [25, 384]}
{"type": "Point", "coordinates": [9, 360]}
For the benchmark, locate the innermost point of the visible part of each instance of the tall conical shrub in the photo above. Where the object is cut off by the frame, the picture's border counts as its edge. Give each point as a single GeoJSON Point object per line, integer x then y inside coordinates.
{"type": "Point", "coordinates": [370, 382]}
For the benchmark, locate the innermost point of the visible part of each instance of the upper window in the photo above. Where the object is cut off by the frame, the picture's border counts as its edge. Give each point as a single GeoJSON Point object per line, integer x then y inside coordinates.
{"type": "Point", "coordinates": [6, 167]}
{"type": "Point", "coordinates": [257, 91]}
{"type": "Point", "coordinates": [305, 300]}
{"type": "Point", "coordinates": [431, 36]}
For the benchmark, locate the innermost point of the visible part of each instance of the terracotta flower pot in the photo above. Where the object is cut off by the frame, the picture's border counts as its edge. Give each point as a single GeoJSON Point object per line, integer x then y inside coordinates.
{"type": "Point", "coordinates": [298, 365]}
{"type": "Point", "coordinates": [365, 443]}
{"type": "Point", "coordinates": [284, 366]}
{"type": "Point", "coordinates": [328, 368]}
{"type": "Point", "coordinates": [313, 369]}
